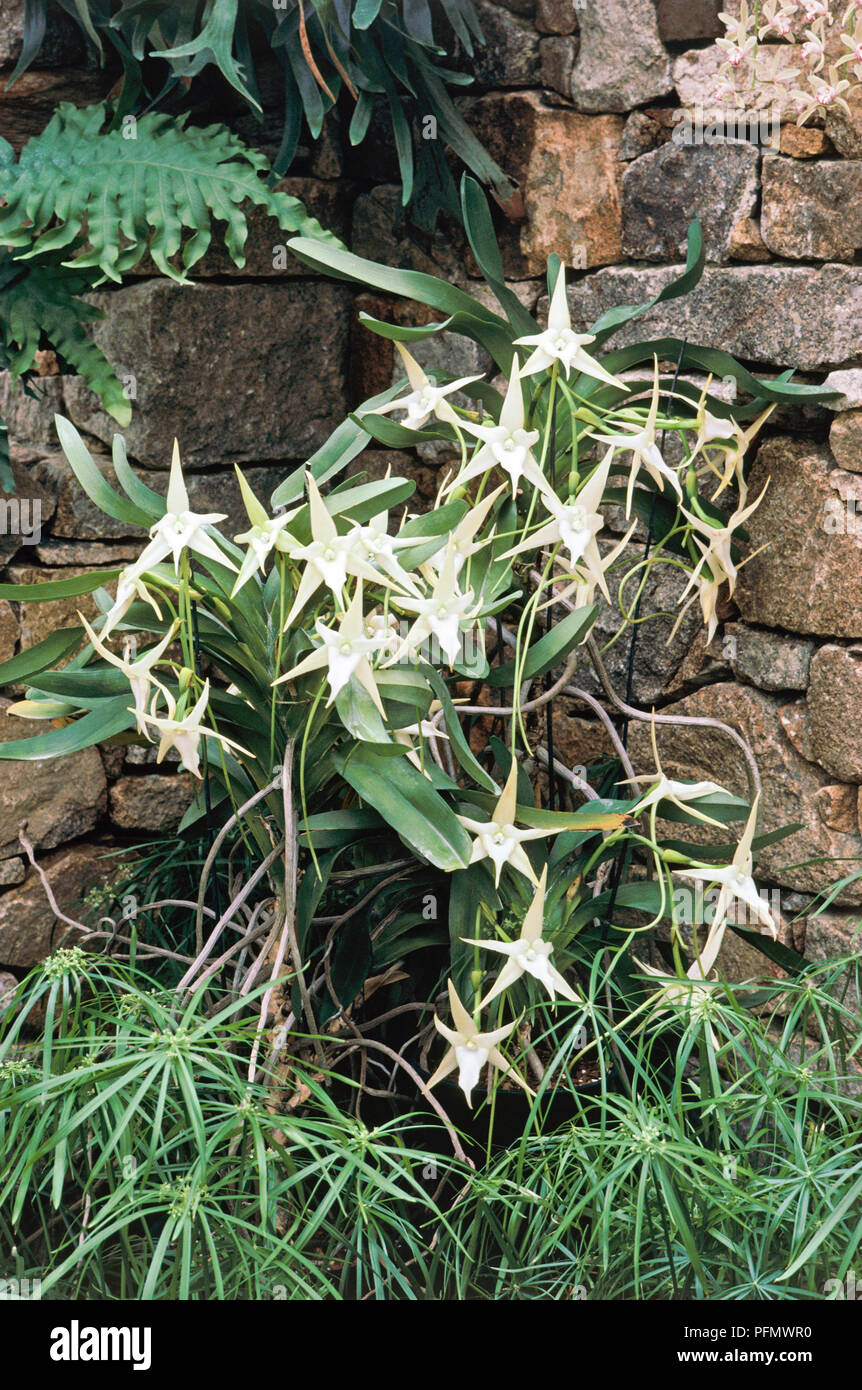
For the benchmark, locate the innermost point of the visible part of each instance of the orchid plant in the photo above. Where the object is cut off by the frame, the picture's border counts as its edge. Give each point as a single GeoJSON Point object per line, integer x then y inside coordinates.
{"type": "Point", "coordinates": [803, 54]}
{"type": "Point", "coordinates": [311, 671]}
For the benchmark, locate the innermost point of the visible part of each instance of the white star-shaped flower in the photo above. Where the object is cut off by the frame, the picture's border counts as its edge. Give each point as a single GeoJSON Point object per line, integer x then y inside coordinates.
{"type": "Point", "coordinates": [426, 398]}
{"type": "Point", "coordinates": [344, 651]}
{"type": "Point", "coordinates": [263, 536]}
{"type": "Point", "coordinates": [180, 529]}
{"type": "Point", "coordinates": [443, 614]}
{"type": "Point", "coordinates": [736, 881]}
{"type": "Point", "coordinates": [185, 734]}
{"type": "Point", "coordinates": [507, 445]}
{"type": "Point", "coordinates": [641, 440]}
{"type": "Point", "coordinates": [137, 672]}
{"type": "Point", "coordinates": [560, 344]}
{"type": "Point", "coordinates": [470, 1049]}
{"type": "Point", "coordinates": [528, 955]}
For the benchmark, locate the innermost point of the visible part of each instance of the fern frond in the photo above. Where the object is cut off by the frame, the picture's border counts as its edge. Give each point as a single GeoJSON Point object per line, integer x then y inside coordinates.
{"type": "Point", "coordinates": [40, 303]}
{"type": "Point", "coordinates": [153, 185]}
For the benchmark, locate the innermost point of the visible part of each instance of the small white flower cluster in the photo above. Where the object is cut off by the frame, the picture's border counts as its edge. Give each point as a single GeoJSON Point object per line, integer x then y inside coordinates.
{"type": "Point", "coordinates": [819, 73]}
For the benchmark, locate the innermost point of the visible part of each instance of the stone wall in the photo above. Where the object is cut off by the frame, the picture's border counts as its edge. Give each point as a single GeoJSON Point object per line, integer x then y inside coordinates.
{"type": "Point", "coordinates": [579, 101]}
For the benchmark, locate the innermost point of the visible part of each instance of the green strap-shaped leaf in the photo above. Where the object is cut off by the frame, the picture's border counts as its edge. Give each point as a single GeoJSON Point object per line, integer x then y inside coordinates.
{"type": "Point", "coordinates": [50, 589]}
{"type": "Point", "coordinates": [407, 802]}
{"type": "Point", "coordinates": [104, 720]}
{"type": "Point", "coordinates": [695, 261]}
{"type": "Point", "coordinates": [94, 484]}
{"type": "Point", "coordinates": [550, 649]}
{"type": "Point", "coordinates": [40, 657]}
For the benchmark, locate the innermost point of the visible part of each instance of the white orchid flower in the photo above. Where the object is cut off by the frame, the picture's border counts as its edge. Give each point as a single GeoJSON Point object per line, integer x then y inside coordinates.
{"type": "Point", "coordinates": [680, 794]}
{"type": "Point", "coordinates": [185, 734]}
{"type": "Point", "coordinates": [560, 344]}
{"type": "Point", "coordinates": [507, 445]}
{"type": "Point", "coordinates": [442, 615]}
{"type": "Point", "coordinates": [381, 549]}
{"type": "Point", "coordinates": [707, 578]}
{"type": "Point", "coordinates": [529, 955]}
{"type": "Point", "coordinates": [574, 525]}
{"type": "Point", "coordinates": [720, 540]}
{"type": "Point", "coordinates": [736, 881]}
{"type": "Point", "coordinates": [470, 1049]}
{"type": "Point", "coordinates": [344, 652]}
{"type": "Point", "coordinates": [264, 535]}
{"type": "Point", "coordinates": [641, 440]}
{"type": "Point", "coordinates": [137, 672]}
{"type": "Point", "coordinates": [423, 728]}
{"type": "Point", "coordinates": [462, 539]}
{"type": "Point", "coordinates": [735, 454]}
{"type": "Point", "coordinates": [426, 398]}
{"type": "Point", "coordinates": [329, 557]}
{"type": "Point", "coordinates": [130, 586]}
{"type": "Point", "coordinates": [180, 529]}
{"type": "Point", "coordinates": [499, 839]}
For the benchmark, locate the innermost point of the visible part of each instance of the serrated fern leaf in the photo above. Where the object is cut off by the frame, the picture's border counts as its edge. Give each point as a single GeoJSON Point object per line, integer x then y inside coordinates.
{"type": "Point", "coordinates": [153, 186]}
{"type": "Point", "coordinates": [41, 303]}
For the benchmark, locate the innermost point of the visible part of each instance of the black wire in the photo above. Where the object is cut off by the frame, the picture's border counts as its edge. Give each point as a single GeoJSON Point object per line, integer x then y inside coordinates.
{"type": "Point", "coordinates": [621, 863]}
{"type": "Point", "coordinates": [196, 649]}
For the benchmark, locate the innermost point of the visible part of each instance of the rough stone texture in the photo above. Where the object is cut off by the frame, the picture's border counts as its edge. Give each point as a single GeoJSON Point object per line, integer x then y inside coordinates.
{"type": "Point", "coordinates": [568, 169]}
{"type": "Point", "coordinates": [803, 142]}
{"type": "Point", "coordinates": [11, 871]}
{"type": "Point", "coordinates": [820, 588]}
{"type": "Point", "coordinates": [811, 211]}
{"type": "Point", "coordinates": [848, 385]}
{"type": "Point", "coordinates": [845, 440]}
{"type": "Point", "coordinates": [150, 802]}
{"type": "Point", "coordinates": [26, 514]}
{"type": "Point", "coordinates": [27, 108]}
{"type": "Point", "coordinates": [661, 189]}
{"type": "Point", "coordinates": [795, 720]}
{"type": "Point", "coordinates": [790, 783]}
{"type": "Point", "coordinates": [28, 928]}
{"type": "Point", "coordinates": [39, 619]}
{"type": "Point", "coordinates": [58, 801]}
{"type": "Point", "coordinates": [836, 807]}
{"type": "Point", "coordinates": [31, 417]}
{"type": "Point", "coordinates": [834, 697]}
{"type": "Point", "coordinates": [510, 54]}
{"type": "Point", "coordinates": [8, 630]}
{"type": "Point", "coordinates": [770, 314]}
{"type": "Point", "coordinates": [694, 76]}
{"type": "Point", "coordinates": [556, 17]}
{"type": "Point", "coordinates": [640, 135]}
{"type": "Point", "coordinates": [379, 233]}
{"type": "Point", "coordinates": [683, 21]}
{"type": "Point", "coordinates": [622, 62]}
{"type": "Point", "coordinates": [845, 131]}
{"type": "Point", "coordinates": [558, 59]}
{"type": "Point", "coordinates": [86, 554]}
{"type": "Point", "coordinates": [289, 339]}
{"type": "Point", "coordinates": [767, 659]}
{"type": "Point", "coordinates": [746, 243]}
